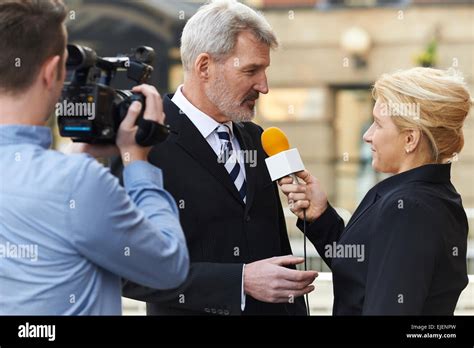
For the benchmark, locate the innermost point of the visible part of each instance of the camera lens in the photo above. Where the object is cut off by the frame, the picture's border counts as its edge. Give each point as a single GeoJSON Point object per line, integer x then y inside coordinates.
{"type": "Point", "coordinates": [80, 57]}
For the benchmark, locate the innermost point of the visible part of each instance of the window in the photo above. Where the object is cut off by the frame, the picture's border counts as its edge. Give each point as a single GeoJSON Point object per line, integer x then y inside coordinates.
{"type": "Point", "coordinates": [292, 104]}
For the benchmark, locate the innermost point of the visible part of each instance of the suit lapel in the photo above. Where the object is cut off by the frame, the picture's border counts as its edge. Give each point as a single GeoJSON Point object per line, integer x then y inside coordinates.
{"type": "Point", "coordinates": [192, 141]}
{"type": "Point", "coordinates": [368, 201]}
{"type": "Point", "coordinates": [247, 144]}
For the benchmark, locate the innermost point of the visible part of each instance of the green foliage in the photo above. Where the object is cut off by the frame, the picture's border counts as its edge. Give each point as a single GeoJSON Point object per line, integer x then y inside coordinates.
{"type": "Point", "coordinates": [429, 56]}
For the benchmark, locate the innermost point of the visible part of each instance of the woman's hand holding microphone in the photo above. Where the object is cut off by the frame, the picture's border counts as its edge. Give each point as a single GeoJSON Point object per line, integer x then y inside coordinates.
{"type": "Point", "coordinates": [306, 196]}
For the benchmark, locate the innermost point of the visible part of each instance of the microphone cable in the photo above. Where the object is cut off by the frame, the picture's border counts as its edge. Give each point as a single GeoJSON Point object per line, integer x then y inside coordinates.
{"type": "Point", "coordinates": [296, 181]}
{"type": "Point", "coordinates": [305, 258]}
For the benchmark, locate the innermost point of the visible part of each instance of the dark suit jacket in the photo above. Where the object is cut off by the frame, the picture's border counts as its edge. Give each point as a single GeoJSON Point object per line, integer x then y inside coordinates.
{"type": "Point", "coordinates": [222, 232]}
{"type": "Point", "coordinates": [414, 231]}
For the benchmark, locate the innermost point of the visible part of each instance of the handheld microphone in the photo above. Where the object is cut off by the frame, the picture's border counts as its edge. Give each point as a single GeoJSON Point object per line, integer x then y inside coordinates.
{"type": "Point", "coordinates": [283, 161]}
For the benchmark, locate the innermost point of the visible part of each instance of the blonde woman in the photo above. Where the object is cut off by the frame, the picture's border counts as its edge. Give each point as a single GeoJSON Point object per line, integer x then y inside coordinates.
{"type": "Point", "coordinates": [403, 252]}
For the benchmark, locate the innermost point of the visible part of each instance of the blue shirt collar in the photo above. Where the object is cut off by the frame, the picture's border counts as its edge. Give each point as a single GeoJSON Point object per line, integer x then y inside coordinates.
{"type": "Point", "coordinates": [23, 134]}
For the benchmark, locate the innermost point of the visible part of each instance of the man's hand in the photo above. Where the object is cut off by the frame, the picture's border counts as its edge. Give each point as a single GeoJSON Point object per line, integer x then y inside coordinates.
{"type": "Point", "coordinates": [129, 149]}
{"type": "Point", "coordinates": [307, 196]}
{"type": "Point", "coordinates": [269, 281]}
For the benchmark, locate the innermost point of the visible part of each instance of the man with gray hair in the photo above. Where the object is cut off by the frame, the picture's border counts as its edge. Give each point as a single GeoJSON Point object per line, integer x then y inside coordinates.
{"type": "Point", "coordinates": [230, 210]}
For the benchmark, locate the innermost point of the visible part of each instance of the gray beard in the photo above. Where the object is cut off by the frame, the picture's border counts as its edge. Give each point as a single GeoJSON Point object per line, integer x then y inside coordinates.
{"type": "Point", "coordinates": [220, 95]}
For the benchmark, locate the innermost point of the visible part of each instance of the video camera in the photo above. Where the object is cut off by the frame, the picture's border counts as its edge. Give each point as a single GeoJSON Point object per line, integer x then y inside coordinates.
{"type": "Point", "coordinates": [91, 110]}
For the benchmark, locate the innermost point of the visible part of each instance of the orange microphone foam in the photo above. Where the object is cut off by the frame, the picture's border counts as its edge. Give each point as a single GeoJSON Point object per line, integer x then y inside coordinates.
{"type": "Point", "coordinates": [274, 141]}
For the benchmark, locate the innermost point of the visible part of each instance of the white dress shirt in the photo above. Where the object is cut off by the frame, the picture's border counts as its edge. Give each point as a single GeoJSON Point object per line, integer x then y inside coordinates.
{"type": "Point", "coordinates": [207, 127]}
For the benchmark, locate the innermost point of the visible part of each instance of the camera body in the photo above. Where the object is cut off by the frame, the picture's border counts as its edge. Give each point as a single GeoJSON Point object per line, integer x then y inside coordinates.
{"type": "Point", "coordinates": [91, 110]}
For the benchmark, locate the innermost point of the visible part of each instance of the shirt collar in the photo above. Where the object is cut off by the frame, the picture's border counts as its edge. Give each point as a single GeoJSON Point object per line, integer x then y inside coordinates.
{"type": "Point", "coordinates": [24, 134]}
{"type": "Point", "coordinates": [203, 122]}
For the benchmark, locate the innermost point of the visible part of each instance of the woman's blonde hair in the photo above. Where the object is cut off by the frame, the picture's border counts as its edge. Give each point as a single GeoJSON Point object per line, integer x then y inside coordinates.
{"type": "Point", "coordinates": [434, 101]}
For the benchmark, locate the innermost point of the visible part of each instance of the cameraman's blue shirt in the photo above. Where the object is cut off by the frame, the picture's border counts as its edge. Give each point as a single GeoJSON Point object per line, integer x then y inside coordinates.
{"type": "Point", "coordinates": [69, 231]}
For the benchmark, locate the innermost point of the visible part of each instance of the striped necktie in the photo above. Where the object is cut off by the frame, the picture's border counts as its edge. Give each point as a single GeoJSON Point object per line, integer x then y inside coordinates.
{"type": "Point", "coordinates": [229, 158]}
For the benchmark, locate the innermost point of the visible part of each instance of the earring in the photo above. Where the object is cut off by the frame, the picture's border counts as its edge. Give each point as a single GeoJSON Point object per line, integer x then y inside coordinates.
{"type": "Point", "coordinates": [407, 151]}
